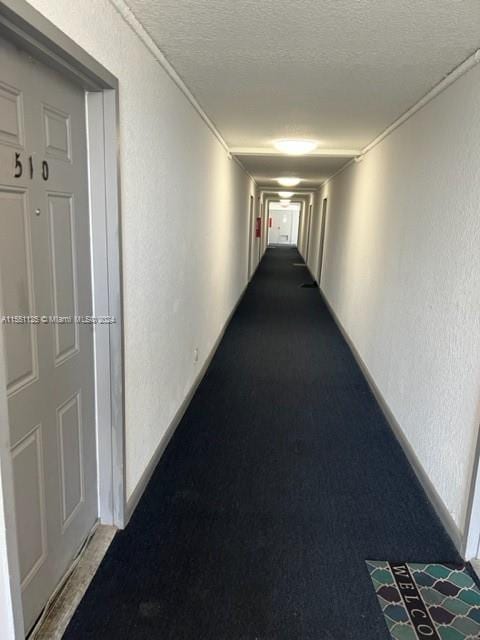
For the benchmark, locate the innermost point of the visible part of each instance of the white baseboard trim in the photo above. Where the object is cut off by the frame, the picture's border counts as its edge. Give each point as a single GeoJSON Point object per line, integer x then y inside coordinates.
{"type": "Point", "coordinates": [432, 494]}
{"type": "Point", "coordinates": [137, 493]}
{"type": "Point", "coordinates": [475, 564]}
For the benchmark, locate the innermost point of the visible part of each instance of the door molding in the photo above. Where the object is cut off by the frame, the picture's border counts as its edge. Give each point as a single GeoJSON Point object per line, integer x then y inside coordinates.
{"type": "Point", "coordinates": [251, 214]}
{"type": "Point", "coordinates": [471, 537]}
{"type": "Point", "coordinates": [23, 25]}
{"type": "Point", "coordinates": [302, 198]}
{"type": "Point", "coordinates": [323, 229]}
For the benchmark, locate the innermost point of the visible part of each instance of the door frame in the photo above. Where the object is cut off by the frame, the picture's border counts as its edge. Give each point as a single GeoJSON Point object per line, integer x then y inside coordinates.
{"type": "Point", "coordinates": [268, 223]}
{"type": "Point", "coordinates": [270, 200]}
{"type": "Point", "coordinates": [471, 537]}
{"type": "Point", "coordinates": [260, 215]}
{"type": "Point", "coordinates": [251, 215]}
{"type": "Point", "coordinates": [23, 25]}
{"type": "Point", "coordinates": [323, 231]}
{"type": "Point", "coordinates": [309, 226]}
{"type": "Point", "coordinates": [303, 198]}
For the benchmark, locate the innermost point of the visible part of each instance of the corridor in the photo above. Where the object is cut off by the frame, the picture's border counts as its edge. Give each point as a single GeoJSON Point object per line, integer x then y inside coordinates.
{"type": "Point", "coordinates": [239, 320]}
{"type": "Point", "coordinates": [281, 480]}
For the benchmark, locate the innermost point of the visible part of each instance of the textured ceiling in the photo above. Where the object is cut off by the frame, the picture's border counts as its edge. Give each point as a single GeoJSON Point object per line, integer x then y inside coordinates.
{"type": "Point", "coordinates": [339, 71]}
{"type": "Point", "coordinates": [312, 169]}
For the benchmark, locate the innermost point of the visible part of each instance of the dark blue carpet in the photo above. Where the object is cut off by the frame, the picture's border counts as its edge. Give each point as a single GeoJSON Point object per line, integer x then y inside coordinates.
{"type": "Point", "coordinates": [281, 480]}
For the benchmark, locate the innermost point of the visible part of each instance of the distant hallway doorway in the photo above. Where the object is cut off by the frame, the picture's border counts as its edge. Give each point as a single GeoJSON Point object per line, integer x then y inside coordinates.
{"type": "Point", "coordinates": [283, 222]}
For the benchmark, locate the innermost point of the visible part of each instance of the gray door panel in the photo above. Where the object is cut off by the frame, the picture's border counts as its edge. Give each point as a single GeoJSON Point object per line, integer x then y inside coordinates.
{"type": "Point", "coordinates": [45, 271]}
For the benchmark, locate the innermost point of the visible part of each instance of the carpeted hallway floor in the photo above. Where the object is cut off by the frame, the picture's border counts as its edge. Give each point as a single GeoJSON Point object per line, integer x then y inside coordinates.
{"type": "Point", "coordinates": [281, 480]}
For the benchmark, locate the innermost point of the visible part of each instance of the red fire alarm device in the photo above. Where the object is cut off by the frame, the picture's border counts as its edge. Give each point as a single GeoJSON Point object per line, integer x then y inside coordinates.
{"type": "Point", "coordinates": [258, 228]}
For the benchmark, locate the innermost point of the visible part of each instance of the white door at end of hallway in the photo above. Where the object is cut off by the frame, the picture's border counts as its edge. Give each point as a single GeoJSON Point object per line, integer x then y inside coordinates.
{"type": "Point", "coordinates": [45, 282]}
{"type": "Point", "coordinates": [280, 227]}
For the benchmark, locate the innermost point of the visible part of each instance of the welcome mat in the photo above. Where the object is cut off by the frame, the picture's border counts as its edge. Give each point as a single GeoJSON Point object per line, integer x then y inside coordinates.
{"type": "Point", "coordinates": [427, 601]}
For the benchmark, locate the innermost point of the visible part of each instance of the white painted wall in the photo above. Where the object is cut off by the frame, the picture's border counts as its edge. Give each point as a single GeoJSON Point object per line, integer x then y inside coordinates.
{"type": "Point", "coordinates": [402, 272]}
{"type": "Point", "coordinates": [185, 226]}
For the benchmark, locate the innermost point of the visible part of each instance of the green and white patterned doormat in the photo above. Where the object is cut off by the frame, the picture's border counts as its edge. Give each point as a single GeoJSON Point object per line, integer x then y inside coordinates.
{"type": "Point", "coordinates": [427, 601]}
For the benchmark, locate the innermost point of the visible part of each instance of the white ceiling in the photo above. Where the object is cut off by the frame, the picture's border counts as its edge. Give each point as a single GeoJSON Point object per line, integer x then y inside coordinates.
{"type": "Point", "coordinates": [339, 71]}
{"type": "Point", "coordinates": [276, 206]}
{"type": "Point", "coordinates": [312, 169]}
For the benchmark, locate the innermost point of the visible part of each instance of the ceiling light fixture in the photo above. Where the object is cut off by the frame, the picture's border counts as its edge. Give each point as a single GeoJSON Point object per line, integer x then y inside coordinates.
{"type": "Point", "coordinates": [285, 194]}
{"type": "Point", "coordinates": [288, 182]}
{"type": "Point", "coordinates": [284, 203]}
{"type": "Point", "coordinates": [295, 147]}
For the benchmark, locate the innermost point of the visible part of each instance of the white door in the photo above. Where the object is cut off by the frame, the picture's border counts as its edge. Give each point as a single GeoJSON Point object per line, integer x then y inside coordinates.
{"type": "Point", "coordinates": [280, 231]}
{"type": "Point", "coordinates": [45, 271]}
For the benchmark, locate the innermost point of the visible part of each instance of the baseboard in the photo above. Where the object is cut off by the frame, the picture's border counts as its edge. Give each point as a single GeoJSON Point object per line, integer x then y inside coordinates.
{"type": "Point", "coordinates": [137, 493]}
{"type": "Point", "coordinates": [255, 270]}
{"type": "Point", "coordinates": [432, 494]}
{"type": "Point", "coordinates": [475, 564]}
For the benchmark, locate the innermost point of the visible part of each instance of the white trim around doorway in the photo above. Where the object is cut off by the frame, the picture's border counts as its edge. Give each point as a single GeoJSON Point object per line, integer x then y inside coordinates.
{"type": "Point", "coordinates": [23, 25]}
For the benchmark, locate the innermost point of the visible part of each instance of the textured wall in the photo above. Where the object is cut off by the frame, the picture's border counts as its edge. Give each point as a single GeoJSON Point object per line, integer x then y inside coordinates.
{"type": "Point", "coordinates": [402, 272]}
{"type": "Point", "coordinates": [185, 220]}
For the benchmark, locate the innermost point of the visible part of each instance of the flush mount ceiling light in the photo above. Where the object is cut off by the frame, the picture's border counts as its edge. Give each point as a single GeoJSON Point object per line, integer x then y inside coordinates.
{"type": "Point", "coordinates": [285, 194]}
{"type": "Point", "coordinates": [295, 147]}
{"type": "Point", "coordinates": [284, 203]}
{"type": "Point", "coordinates": [288, 182]}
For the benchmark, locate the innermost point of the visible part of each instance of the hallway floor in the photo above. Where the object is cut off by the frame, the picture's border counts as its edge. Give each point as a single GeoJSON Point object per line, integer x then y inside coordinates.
{"type": "Point", "coordinates": [281, 480]}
